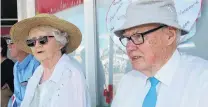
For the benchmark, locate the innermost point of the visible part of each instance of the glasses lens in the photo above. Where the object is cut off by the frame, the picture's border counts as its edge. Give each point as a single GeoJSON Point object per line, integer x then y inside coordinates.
{"type": "Point", "coordinates": [9, 41]}
{"type": "Point", "coordinates": [137, 39]}
{"type": "Point", "coordinates": [43, 40]}
{"type": "Point", "coordinates": [30, 43]}
{"type": "Point", "coordinates": [124, 41]}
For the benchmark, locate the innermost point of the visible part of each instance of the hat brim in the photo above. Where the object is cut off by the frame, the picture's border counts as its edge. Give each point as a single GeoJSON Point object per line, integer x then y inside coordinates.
{"type": "Point", "coordinates": [20, 31]}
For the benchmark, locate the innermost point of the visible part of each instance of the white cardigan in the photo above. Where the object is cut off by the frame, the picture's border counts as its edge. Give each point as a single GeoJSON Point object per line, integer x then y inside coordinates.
{"type": "Point", "coordinates": [65, 88]}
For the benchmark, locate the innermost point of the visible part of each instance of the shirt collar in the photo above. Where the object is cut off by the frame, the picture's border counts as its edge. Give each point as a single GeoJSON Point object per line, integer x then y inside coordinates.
{"type": "Point", "coordinates": [140, 76]}
{"type": "Point", "coordinates": [166, 73]}
{"type": "Point", "coordinates": [23, 64]}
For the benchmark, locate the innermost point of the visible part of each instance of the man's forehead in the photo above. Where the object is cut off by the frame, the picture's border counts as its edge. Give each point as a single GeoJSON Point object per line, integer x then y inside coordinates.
{"type": "Point", "coordinates": [140, 28]}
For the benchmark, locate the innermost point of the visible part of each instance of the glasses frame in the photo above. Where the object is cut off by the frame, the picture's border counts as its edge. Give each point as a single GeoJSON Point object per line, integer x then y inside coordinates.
{"type": "Point", "coordinates": [41, 40]}
{"type": "Point", "coordinates": [9, 42]}
{"type": "Point", "coordinates": [141, 35]}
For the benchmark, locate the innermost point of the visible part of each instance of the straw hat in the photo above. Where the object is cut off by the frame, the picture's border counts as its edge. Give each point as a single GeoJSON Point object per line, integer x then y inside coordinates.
{"type": "Point", "coordinates": [150, 11]}
{"type": "Point", "coordinates": [20, 31]}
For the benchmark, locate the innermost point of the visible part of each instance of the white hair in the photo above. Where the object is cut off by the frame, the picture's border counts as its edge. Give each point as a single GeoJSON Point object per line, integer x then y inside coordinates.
{"type": "Point", "coordinates": [60, 36]}
{"type": "Point", "coordinates": [178, 36]}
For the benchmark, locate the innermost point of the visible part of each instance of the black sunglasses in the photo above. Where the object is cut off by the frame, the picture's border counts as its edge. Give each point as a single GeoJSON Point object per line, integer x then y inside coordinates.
{"type": "Point", "coordinates": [9, 41]}
{"type": "Point", "coordinates": [41, 40]}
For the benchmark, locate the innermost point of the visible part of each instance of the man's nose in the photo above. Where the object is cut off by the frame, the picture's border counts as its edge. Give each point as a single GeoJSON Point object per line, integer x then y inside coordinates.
{"type": "Point", "coordinates": [130, 46]}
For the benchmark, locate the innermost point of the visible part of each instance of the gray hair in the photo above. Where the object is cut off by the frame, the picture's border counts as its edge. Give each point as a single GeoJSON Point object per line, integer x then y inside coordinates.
{"type": "Point", "coordinates": [178, 36]}
{"type": "Point", "coordinates": [60, 36]}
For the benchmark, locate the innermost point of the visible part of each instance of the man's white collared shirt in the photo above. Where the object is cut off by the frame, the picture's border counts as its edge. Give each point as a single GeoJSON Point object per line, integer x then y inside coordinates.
{"type": "Point", "coordinates": [183, 83]}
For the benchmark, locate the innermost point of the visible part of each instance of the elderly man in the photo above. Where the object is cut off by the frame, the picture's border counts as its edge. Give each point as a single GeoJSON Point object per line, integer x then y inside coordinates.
{"type": "Point", "coordinates": [161, 75]}
{"type": "Point", "coordinates": [23, 70]}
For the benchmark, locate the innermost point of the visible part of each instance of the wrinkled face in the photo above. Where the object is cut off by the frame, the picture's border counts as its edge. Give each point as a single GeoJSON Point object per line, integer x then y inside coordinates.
{"type": "Point", "coordinates": [145, 56]}
{"type": "Point", "coordinates": [45, 46]}
{"type": "Point", "coordinates": [14, 50]}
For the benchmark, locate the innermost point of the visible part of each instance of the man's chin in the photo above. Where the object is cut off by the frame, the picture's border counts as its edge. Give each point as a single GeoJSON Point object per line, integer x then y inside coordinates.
{"type": "Point", "coordinates": [13, 56]}
{"type": "Point", "coordinates": [139, 66]}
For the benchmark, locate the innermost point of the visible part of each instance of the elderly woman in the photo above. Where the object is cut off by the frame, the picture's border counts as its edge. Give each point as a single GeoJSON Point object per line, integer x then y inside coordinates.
{"type": "Point", "coordinates": [57, 82]}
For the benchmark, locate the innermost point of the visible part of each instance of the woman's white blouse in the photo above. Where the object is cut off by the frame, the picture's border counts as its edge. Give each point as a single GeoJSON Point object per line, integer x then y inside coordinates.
{"type": "Point", "coordinates": [65, 88]}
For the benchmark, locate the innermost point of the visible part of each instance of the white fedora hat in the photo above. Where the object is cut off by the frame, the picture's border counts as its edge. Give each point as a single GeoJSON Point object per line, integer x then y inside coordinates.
{"type": "Point", "coordinates": [148, 12]}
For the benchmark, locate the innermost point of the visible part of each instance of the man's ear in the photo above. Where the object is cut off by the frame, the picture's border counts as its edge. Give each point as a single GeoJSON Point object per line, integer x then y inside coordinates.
{"type": "Point", "coordinates": [170, 35]}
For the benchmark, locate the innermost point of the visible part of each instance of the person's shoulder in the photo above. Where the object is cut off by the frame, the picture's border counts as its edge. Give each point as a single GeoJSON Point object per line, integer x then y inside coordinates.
{"type": "Point", "coordinates": [72, 69]}
{"type": "Point", "coordinates": [9, 62]}
{"type": "Point", "coordinates": [197, 66]}
{"type": "Point", "coordinates": [73, 63]}
{"type": "Point", "coordinates": [193, 61]}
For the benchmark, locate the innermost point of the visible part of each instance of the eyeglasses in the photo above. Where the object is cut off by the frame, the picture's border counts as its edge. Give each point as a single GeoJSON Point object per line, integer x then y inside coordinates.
{"type": "Point", "coordinates": [41, 40]}
{"type": "Point", "coordinates": [138, 38]}
{"type": "Point", "coordinates": [9, 41]}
